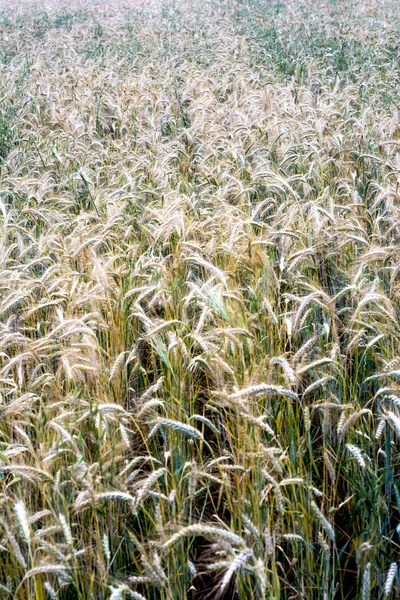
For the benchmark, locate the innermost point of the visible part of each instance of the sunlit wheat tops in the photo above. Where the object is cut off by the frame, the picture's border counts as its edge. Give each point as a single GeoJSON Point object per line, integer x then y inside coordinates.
{"type": "Point", "coordinates": [199, 300]}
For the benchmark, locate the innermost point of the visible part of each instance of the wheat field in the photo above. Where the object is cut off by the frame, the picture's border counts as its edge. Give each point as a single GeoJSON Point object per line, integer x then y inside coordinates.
{"type": "Point", "coordinates": [199, 300]}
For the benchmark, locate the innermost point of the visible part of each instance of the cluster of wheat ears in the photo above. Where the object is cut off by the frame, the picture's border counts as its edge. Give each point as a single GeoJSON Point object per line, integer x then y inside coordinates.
{"type": "Point", "coordinates": [199, 300]}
